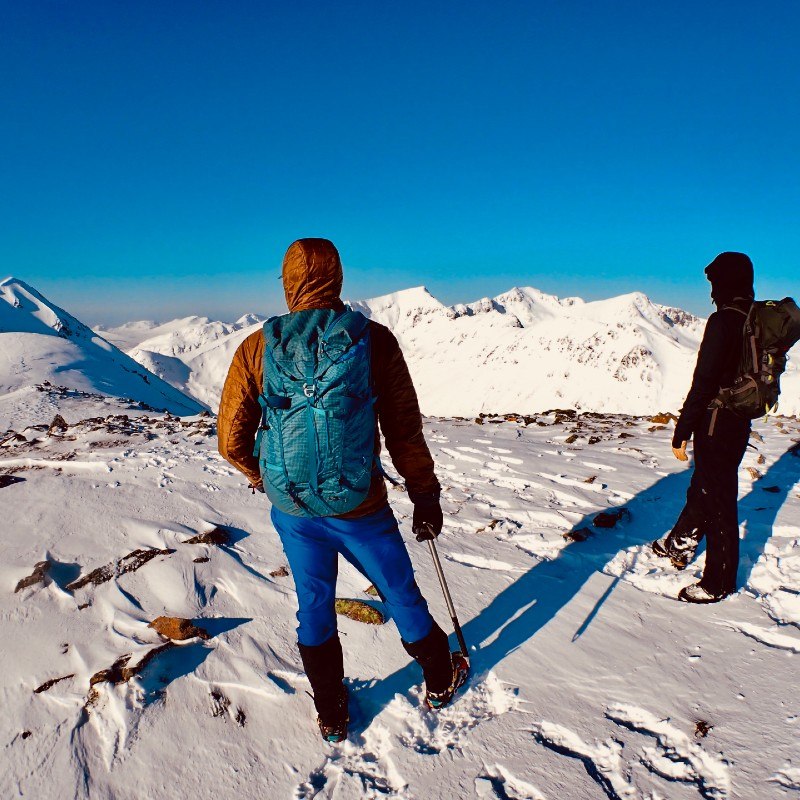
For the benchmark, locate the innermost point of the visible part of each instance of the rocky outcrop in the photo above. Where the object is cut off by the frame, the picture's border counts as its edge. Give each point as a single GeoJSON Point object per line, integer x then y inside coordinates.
{"type": "Point", "coordinates": [177, 629]}
{"type": "Point", "coordinates": [38, 575]}
{"type": "Point", "coordinates": [128, 563]}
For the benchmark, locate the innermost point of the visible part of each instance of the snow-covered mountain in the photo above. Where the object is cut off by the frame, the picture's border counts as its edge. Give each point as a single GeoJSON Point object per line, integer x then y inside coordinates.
{"type": "Point", "coordinates": [131, 335]}
{"type": "Point", "coordinates": [40, 342]}
{"type": "Point", "coordinates": [527, 351]}
{"type": "Point", "coordinates": [194, 356]}
{"type": "Point", "coordinates": [522, 351]}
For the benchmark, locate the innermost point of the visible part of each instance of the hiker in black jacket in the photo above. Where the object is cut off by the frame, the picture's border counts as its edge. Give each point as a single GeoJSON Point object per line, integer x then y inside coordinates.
{"type": "Point", "coordinates": [720, 439]}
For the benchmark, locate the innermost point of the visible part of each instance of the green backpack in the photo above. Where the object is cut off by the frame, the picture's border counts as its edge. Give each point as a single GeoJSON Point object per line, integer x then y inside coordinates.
{"type": "Point", "coordinates": [316, 441]}
{"type": "Point", "coordinates": [771, 328]}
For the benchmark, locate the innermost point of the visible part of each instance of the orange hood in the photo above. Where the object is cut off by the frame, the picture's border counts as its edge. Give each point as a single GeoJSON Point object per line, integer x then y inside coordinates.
{"type": "Point", "coordinates": [312, 275]}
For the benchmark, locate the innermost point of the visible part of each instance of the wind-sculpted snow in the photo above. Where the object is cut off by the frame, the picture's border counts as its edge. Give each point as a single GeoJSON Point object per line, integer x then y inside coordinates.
{"type": "Point", "coordinates": [589, 679]}
{"type": "Point", "coordinates": [41, 343]}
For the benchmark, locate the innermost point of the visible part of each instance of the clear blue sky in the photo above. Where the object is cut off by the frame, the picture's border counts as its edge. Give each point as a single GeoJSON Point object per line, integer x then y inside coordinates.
{"type": "Point", "coordinates": [156, 159]}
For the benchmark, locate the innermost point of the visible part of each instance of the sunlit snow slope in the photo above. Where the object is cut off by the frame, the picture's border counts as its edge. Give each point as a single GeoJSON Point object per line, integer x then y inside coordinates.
{"type": "Point", "coordinates": [41, 342]}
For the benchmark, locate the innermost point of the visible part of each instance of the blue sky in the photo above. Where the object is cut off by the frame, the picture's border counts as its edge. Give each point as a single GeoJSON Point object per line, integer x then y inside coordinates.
{"type": "Point", "coordinates": [158, 158]}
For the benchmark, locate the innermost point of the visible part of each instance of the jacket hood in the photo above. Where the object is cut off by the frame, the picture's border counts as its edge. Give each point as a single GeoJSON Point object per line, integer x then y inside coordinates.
{"type": "Point", "coordinates": [312, 275]}
{"type": "Point", "coordinates": [731, 276]}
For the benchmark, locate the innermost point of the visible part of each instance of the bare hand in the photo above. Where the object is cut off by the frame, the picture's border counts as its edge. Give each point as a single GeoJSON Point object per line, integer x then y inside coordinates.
{"type": "Point", "coordinates": [680, 452]}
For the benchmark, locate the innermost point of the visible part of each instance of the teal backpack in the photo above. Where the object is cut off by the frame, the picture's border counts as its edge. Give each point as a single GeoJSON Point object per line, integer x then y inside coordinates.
{"type": "Point", "coordinates": [316, 441]}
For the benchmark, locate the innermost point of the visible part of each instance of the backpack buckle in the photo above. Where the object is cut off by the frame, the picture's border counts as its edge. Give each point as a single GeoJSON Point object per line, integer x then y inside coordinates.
{"type": "Point", "coordinates": [309, 391]}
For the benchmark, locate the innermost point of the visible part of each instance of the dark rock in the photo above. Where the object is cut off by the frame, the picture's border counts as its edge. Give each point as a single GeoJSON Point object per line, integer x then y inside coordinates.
{"type": "Point", "coordinates": [52, 682]}
{"type": "Point", "coordinates": [120, 672]}
{"type": "Point", "coordinates": [590, 479]}
{"type": "Point", "coordinates": [625, 435]}
{"type": "Point", "coordinates": [10, 480]}
{"type": "Point", "coordinates": [573, 437]}
{"type": "Point", "coordinates": [25, 734]}
{"type": "Point", "coordinates": [112, 674]}
{"type": "Point", "coordinates": [702, 729]}
{"type": "Point", "coordinates": [128, 563]}
{"type": "Point", "coordinates": [201, 559]}
{"type": "Point", "coordinates": [218, 536]}
{"type": "Point", "coordinates": [594, 439]}
{"type": "Point", "coordinates": [58, 424]}
{"type": "Point", "coordinates": [219, 703]}
{"type": "Point", "coordinates": [609, 519]}
{"type": "Point", "coordinates": [40, 570]}
{"type": "Point", "coordinates": [281, 572]}
{"type": "Point", "coordinates": [578, 535]}
{"type": "Point", "coordinates": [241, 717]}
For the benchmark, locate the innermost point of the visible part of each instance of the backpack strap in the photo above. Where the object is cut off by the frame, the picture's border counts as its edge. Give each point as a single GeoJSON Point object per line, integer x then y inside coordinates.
{"type": "Point", "coordinates": [735, 308]}
{"type": "Point", "coordinates": [383, 473]}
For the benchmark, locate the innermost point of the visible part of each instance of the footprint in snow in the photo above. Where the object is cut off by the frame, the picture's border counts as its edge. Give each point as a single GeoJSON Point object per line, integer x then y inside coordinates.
{"type": "Point", "coordinates": [430, 732]}
{"type": "Point", "coordinates": [676, 756]}
{"type": "Point", "coordinates": [358, 767]}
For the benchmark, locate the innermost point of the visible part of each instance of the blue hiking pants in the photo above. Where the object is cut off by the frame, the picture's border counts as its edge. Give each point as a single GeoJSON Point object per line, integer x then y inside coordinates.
{"type": "Point", "coordinates": [373, 545]}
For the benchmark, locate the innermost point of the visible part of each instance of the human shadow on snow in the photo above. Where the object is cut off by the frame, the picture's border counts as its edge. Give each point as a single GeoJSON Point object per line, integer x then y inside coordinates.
{"type": "Point", "coordinates": [519, 611]}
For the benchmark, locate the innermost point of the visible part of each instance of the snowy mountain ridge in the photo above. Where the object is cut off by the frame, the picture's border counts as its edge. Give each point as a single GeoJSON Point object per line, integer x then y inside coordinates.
{"type": "Point", "coordinates": [43, 345]}
{"type": "Point", "coordinates": [523, 351]}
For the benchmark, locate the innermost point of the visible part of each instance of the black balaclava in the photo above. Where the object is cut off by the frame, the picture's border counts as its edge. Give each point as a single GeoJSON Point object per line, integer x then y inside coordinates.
{"type": "Point", "coordinates": [731, 276]}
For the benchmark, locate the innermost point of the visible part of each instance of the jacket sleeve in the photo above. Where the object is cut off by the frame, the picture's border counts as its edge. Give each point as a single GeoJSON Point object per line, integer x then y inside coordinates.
{"type": "Point", "coordinates": [707, 378]}
{"type": "Point", "coordinates": [399, 415]}
{"type": "Point", "coordinates": [239, 411]}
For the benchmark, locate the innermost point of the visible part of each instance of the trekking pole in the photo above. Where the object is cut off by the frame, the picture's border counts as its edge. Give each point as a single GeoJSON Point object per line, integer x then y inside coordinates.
{"type": "Point", "coordinates": [447, 598]}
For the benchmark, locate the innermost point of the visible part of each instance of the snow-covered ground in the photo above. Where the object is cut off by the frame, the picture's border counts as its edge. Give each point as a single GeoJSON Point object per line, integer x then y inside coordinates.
{"type": "Point", "coordinates": [590, 680]}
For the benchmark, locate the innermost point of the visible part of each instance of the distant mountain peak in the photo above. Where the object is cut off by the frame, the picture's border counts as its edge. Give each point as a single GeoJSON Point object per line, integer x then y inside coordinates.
{"type": "Point", "coordinates": [81, 359]}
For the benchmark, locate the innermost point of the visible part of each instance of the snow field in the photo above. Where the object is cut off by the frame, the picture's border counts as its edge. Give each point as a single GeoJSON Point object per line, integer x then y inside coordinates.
{"type": "Point", "coordinates": [589, 680]}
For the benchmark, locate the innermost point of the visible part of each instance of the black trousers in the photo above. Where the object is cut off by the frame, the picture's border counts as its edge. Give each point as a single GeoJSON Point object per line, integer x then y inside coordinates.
{"type": "Point", "coordinates": [711, 501]}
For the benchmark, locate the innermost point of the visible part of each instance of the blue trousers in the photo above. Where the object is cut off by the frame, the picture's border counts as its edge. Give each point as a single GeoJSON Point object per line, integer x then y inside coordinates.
{"type": "Point", "coordinates": [374, 546]}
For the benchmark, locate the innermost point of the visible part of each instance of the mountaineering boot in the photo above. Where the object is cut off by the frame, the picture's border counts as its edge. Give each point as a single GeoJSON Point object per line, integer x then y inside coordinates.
{"type": "Point", "coordinates": [333, 718]}
{"type": "Point", "coordinates": [444, 672]}
{"type": "Point", "coordinates": [679, 550]}
{"type": "Point", "coordinates": [437, 700]}
{"type": "Point", "coordinates": [324, 668]}
{"type": "Point", "coordinates": [695, 593]}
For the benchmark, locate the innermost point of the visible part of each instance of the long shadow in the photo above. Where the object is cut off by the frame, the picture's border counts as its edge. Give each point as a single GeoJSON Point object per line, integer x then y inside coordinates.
{"type": "Point", "coordinates": [760, 507]}
{"type": "Point", "coordinates": [519, 611]}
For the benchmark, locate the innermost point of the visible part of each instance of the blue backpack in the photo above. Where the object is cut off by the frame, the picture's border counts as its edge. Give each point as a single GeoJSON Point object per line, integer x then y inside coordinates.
{"type": "Point", "coordinates": [316, 441]}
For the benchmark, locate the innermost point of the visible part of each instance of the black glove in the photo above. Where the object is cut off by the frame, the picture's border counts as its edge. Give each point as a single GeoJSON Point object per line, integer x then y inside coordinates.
{"type": "Point", "coordinates": [256, 487]}
{"type": "Point", "coordinates": [428, 518]}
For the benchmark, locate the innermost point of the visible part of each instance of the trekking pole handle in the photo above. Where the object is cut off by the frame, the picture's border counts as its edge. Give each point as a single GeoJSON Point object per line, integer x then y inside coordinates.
{"type": "Point", "coordinates": [447, 598]}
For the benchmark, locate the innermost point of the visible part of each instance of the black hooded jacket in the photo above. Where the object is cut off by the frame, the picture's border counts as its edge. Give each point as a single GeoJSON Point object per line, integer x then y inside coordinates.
{"type": "Point", "coordinates": [731, 276]}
